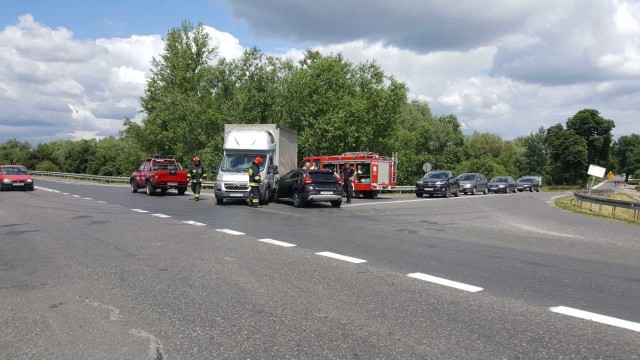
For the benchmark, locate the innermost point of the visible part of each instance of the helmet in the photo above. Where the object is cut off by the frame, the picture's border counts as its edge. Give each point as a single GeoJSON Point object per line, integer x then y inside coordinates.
{"type": "Point", "coordinates": [196, 158]}
{"type": "Point", "coordinates": [258, 160]}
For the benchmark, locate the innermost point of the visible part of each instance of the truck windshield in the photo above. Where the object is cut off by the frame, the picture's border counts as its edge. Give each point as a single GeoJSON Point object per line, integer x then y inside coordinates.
{"type": "Point", "coordinates": [239, 163]}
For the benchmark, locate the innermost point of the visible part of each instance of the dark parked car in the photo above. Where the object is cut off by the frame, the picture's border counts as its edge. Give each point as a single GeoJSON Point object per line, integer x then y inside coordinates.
{"type": "Point", "coordinates": [528, 184]}
{"type": "Point", "coordinates": [504, 184]}
{"type": "Point", "coordinates": [438, 182]}
{"type": "Point", "coordinates": [15, 177]}
{"type": "Point", "coordinates": [472, 183]}
{"type": "Point", "coordinates": [304, 186]}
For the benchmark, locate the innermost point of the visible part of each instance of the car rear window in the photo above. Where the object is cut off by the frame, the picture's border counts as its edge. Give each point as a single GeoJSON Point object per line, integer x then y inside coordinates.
{"type": "Point", "coordinates": [323, 177]}
{"type": "Point", "coordinates": [165, 165]}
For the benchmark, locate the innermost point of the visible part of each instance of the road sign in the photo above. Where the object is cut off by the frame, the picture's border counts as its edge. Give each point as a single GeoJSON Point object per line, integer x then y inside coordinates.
{"type": "Point", "coordinates": [596, 171]}
{"type": "Point", "coordinates": [426, 167]}
{"type": "Point", "coordinates": [610, 175]}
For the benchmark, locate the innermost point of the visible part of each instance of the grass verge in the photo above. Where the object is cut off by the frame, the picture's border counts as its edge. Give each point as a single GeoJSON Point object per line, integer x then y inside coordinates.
{"type": "Point", "coordinates": [627, 215]}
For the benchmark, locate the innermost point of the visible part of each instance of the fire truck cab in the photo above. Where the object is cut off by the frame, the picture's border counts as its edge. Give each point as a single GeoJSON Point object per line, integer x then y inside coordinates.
{"type": "Point", "coordinates": [372, 171]}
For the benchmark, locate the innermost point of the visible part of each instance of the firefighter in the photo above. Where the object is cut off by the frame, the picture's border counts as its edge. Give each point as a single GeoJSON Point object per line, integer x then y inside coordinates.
{"type": "Point", "coordinates": [254, 182]}
{"type": "Point", "coordinates": [347, 174]}
{"type": "Point", "coordinates": [195, 176]}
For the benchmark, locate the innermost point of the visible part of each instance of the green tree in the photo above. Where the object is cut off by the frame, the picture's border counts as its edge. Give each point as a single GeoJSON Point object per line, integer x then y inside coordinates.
{"type": "Point", "coordinates": [627, 154]}
{"type": "Point", "coordinates": [536, 155]}
{"type": "Point", "coordinates": [596, 131]}
{"type": "Point", "coordinates": [569, 155]}
{"type": "Point", "coordinates": [178, 98]}
{"type": "Point", "coordinates": [14, 150]}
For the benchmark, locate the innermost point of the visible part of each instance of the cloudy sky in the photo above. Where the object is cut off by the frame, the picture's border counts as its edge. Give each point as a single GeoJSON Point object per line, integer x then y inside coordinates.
{"type": "Point", "coordinates": [74, 69]}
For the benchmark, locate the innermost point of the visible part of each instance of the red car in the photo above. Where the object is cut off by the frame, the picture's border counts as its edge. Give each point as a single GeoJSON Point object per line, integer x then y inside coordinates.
{"type": "Point", "coordinates": [15, 177]}
{"type": "Point", "coordinates": [159, 174]}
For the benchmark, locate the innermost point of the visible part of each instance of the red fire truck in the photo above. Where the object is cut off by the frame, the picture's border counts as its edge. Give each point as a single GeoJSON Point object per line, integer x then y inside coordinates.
{"type": "Point", "coordinates": [372, 171]}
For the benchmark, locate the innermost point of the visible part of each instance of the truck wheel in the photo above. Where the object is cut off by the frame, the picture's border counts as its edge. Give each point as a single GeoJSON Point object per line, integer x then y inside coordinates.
{"type": "Point", "coordinates": [219, 201]}
{"type": "Point", "coordinates": [182, 190]}
{"type": "Point", "coordinates": [265, 198]}
{"type": "Point", "coordinates": [150, 189]}
{"type": "Point", "coordinates": [367, 194]}
{"type": "Point", "coordinates": [163, 190]}
{"type": "Point", "coordinates": [134, 188]}
{"type": "Point", "coordinates": [297, 202]}
{"type": "Point", "coordinates": [336, 203]}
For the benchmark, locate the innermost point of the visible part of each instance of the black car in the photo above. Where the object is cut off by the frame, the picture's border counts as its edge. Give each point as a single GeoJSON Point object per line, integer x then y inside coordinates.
{"type": "Point", "coordinates": [438, 182]}
{"type": "Point", "coordinates": [504, 184]}
{"type": "Point", "coordinates": [528, 184]}
{"type": "Point", "coordinates": [304, 186]}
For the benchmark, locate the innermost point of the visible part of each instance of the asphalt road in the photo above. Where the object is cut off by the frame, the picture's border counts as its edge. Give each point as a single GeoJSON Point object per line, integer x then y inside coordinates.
{"type": "Point", "coordinates": [100, 276]}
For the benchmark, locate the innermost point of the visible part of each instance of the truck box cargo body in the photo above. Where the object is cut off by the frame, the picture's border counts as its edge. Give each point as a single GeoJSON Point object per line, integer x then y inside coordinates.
{"type": "Point", "coordinates": [277, 146]}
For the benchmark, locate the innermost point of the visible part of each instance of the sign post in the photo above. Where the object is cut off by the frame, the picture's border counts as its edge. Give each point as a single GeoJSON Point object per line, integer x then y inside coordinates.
{"type": "Point", "coordinates": [595, 171]}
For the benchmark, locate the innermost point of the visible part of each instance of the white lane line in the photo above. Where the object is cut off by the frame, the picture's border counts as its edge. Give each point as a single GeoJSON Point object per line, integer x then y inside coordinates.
{"type": "Point", "coordinates": [76, 196]}
{"type": "Point", "coordinates": [596, 317]}
{"type": "Point", "coordinates": [445, 282]}
{"type": "Point", "coordinates": [341, 257]}
{"type": "Point", "coordinates": [65, 193]}
{"type": "Point", "coordinates": [232, 232]}
{"type": "Point", "coordinates": [101, 202]}
{"type": "Point", "coordinates": [276, 242]}
{"type": "Point", "coordinates": [416, 200]}
{"type": "Point", "coordinates": [139, 210]}
{"type": "Point", "coordinates": [191, 222]}
{"type": "Point", "coordinates": [161, 215]}
{"type": "Point", "coordinates": [87, 198]}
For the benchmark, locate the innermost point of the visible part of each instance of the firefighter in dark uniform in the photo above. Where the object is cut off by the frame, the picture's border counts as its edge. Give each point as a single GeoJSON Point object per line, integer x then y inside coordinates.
{"type": "Point", "coordinates": [254, 182]}
{"type": "Point", "coordinates": [195, 176]}
{"type": "Point", "coordinates": [347, 175]}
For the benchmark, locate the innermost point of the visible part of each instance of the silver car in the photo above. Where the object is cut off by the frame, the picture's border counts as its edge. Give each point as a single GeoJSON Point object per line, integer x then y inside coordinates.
{"type": "Point", "coordinates": [505, 184]}
{"type": "Point", "coordinates": [472, 183]}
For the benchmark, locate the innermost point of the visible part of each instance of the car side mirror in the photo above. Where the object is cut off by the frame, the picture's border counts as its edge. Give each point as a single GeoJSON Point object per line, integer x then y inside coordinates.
{"type": "Point", "coordinates": [274, 169]}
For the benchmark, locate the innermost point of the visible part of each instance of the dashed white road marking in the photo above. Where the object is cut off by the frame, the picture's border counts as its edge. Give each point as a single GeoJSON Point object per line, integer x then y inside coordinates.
{"type": "Point", "coordinates": [139, 210]}
{"type": "Point", "coordinates": [277, 242]}
{"type": "Point", "coordinates": [87, 198]}
{"type": "Point", "coordinates": [65, 193]}
{"type": "Point", "coordinates": [76, 196]}
{"type": "Point", "coordinates": [191, 222]}
{"type": "Point", "coordinates": [596, 317]}
{"type": "Point", "coordinates": [232, 232]}
{"type": "Point", "coordinates": [341, 257]}
{"type": "Point", "coordinates": [161, 215]}
{"type": "Point", "coordinates": [445, 282]}
{"type": "Point", "coordinates": [101, 202]}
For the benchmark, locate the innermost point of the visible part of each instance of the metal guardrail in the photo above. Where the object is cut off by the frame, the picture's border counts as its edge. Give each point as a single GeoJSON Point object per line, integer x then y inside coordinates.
{"type": "Point", "coordinates": [125, 179]}
{"type": "Point", "coordinates": [595, 198]}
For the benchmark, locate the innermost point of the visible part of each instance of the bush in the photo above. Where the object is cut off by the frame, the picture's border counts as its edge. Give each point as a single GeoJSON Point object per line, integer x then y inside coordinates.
{"type": "Point", "coordinates": [47, 166]}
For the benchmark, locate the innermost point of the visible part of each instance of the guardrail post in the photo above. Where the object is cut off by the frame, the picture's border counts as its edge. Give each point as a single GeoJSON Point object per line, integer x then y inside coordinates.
{"type": "Point", "coordinates": [613, 211]}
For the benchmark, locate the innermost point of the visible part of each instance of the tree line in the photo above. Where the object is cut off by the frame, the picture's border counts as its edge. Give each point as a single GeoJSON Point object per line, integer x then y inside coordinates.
{"type": "Point", "coordinates": [334, 105]}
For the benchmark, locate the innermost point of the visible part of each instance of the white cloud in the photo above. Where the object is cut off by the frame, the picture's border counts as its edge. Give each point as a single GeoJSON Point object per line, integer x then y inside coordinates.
{"type": "Point", "coordinates": [53, 86]}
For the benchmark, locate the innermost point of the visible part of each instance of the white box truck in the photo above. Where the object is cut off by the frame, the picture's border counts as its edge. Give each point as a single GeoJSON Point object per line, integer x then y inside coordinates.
{"type": "Point", "coordinates": [278, 148]}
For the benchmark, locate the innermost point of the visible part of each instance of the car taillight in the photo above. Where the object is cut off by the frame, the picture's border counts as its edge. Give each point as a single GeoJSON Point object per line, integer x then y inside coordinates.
{"type": "Point", "coordinates": [307, 180]}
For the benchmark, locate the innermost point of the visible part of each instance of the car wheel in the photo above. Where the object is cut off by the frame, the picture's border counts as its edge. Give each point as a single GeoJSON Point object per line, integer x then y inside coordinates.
{"type": "Point", "coordinates": [473, 191]}
{"type": "Point", "coordinates": [134, 188]}
{"type": "Point", "coordinates": [297, 202]}
{"type": "Point", "coordinates": [531, 189]}
{"type": "Point", "coordinates": [419, 195]}
{"type": "Point", "coordinates": [486, 191]}
{"type": "Point", "coordinates": [150, 189]}
{"type": "Point", "coordinates": [219, 201]}
{"type": "Point", "coordinates": [430, 195]}
{"type": "Point", "coordinates": [447, 193]}
{"type": "Point", "coordinates": [336, 203]}
{"type": "Point", "coordinates": [265, 200]}
{"type": "Point", "coordinates": [457, 193]}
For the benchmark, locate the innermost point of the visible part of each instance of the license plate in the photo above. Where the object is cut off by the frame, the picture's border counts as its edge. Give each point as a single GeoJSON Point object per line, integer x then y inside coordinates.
{"type": "Point", "coordinates": [172, 183]}
{"type": "Point", "coordinates": [18, 184]}
{"type": "Point", "coordinates": [235, 194]}
{"type": "Point", "coordinates": [326, 192]}
{"type": "Point", "coordinates": [428, 189]}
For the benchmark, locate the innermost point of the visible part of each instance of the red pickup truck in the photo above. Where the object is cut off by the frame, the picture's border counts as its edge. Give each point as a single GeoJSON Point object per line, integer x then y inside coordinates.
{"type": "Point", "coordinates": [157, 173]}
